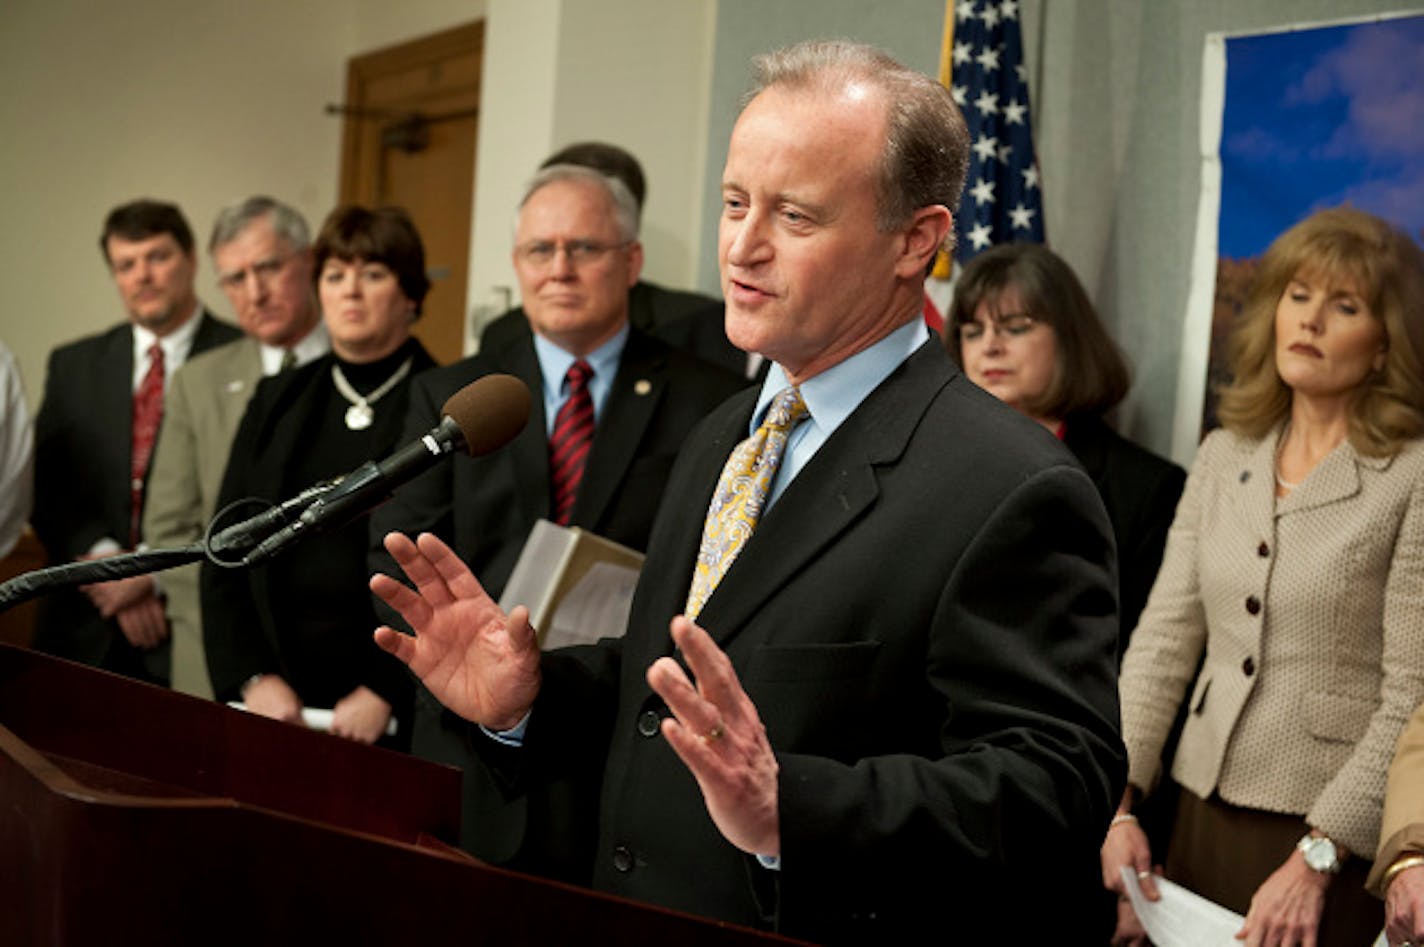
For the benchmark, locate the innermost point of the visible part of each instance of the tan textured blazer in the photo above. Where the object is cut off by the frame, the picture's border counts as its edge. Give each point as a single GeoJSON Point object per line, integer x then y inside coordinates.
{"type": "Point", "coordinates": [1403, 826]}
{"type": "Point", "coordinates": [1311, 613]}
{"type": "Point", "coordinates": [202, 407]}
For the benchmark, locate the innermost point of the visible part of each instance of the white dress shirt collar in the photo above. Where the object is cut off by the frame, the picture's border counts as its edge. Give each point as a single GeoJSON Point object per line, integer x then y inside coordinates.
{"type": "Point", "coordinates": [312, 346]}
{"type": "Point", "coordinates": [176, 345]}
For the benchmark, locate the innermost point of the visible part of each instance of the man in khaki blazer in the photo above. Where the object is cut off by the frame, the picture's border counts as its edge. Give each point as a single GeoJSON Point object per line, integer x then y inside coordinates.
{"type": "Point", "coordinates": [261, 251]}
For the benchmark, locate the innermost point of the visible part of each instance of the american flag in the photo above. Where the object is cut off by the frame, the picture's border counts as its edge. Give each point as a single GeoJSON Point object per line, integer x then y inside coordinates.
{"type": "Point", "coordinates": [1002, 201]}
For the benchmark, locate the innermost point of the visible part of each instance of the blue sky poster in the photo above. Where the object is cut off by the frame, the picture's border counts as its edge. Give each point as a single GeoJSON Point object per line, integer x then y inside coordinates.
{"type": "Point", "coordinates": [1320, 117]}
{"type": "Point", "coordinates": [1312, 118]}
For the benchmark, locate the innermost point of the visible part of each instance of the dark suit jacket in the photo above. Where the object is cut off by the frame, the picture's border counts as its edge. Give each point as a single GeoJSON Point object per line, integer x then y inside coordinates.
{"type": "Point", "coordinates": [247, 628]}
{"type": "Point", "coordinates": [688, 321]}
{"type": "Point", "coordinates": [83, 443]}
{"type": "Point", "coordinates": [1140, 491]}
{"type": "Point", "coordinates": [486, 506]}
{"type": "Point", "coordinates": [926, 623]}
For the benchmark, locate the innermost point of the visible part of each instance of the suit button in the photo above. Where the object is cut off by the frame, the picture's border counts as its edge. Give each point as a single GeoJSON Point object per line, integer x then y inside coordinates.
{"type": "Point", "coordinates": [1248, 667]}
{"type": "Point", "coordinates": [1253, 605]}
{"type": "Point", "coordinates": [1263, 550]}
{"type": "Point", "coordinates": [622, 859]}
{"type": "Point", "coordinates": [648, 723]}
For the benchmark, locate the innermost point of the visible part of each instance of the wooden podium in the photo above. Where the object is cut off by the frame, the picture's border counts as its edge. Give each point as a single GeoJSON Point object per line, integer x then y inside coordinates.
{"type": "Point", "coordinates": [134, 814]}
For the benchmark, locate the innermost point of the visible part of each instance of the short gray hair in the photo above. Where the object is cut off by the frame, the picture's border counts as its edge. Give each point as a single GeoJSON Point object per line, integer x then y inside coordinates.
{"type": "Point", "coordinates": [625, 206]}
{"type": "Point", "coordinates": [926, 155]}
{"type": "Point", "coordinates": [287, 223]}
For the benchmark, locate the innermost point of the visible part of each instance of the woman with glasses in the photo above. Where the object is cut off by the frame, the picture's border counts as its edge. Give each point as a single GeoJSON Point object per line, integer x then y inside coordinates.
{"type": "Point", "coordinates": [1022, 328]}
{"type": "Point", "coordinates": [295, 632]}
{"type": "Point", "coordinates": [1288, 618]}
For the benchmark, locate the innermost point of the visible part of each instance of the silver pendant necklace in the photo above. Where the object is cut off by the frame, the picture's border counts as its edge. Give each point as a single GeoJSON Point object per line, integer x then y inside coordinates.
{"type": "Point", "coordinates": [359, 416]}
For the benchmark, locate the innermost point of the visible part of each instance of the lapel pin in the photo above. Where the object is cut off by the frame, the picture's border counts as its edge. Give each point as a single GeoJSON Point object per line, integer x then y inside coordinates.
{"type": "Point", "coordinates": [234, 386]}
{"type": "Point", "coordinates": [642, 386]}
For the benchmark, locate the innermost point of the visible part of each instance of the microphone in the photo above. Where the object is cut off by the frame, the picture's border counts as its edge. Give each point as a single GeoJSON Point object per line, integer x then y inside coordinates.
{"type": "Point", "coordinates": [242, 536]}
{"type": "Point", "coordinates": [479, 419]}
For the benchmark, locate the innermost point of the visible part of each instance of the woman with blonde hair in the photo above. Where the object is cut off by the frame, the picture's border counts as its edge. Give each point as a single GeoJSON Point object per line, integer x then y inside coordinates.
{"type": "Point", "coordinates": [1293, 575]}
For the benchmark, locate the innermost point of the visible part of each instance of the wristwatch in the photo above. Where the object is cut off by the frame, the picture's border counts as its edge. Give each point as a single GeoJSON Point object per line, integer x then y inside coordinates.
{"type": "Point", "coordinates": [1320, 853]}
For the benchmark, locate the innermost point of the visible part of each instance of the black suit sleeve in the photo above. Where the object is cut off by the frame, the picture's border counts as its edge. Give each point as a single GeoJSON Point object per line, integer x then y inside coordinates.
{"type": "Point", "coordinates": [1018, 656]}
{"type": "Point", "coordinates": [69, 515]}
{"type": "Point", "coordinates": [233, 637]}
{"type": "Point", "coordinates": [422, 505]}
{"type": "Point", "coordinates": [540, 810]}
{"type": "Point", "coordinates": [1141, 552]}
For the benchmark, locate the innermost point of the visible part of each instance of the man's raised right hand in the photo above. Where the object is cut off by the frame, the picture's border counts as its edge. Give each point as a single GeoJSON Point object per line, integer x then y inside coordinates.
{"type": "Point", "coordinates": [475, 659]}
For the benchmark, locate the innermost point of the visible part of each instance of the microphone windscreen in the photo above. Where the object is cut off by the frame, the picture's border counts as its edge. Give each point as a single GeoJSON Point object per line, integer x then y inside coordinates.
{"type": "Point", "coordinates": [490, 411]}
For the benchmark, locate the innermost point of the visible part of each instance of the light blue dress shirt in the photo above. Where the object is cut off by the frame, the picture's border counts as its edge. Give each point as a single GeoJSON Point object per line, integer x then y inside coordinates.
{"type": "Point", "coordinates": [830, 398]}
{"type": "Point", "coordinates": [833, 395]}
{"type": "Point", "coordinates": [554, 364]}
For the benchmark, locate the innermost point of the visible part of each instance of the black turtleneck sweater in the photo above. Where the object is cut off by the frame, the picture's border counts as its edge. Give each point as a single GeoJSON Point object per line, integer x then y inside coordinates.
{"type": "Point", "coordinates": [307, 614]}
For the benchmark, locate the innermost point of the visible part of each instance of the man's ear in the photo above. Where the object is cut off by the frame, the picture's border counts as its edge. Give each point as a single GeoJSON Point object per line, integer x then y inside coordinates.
{"type": "Point", "coordinates": [924, 235]}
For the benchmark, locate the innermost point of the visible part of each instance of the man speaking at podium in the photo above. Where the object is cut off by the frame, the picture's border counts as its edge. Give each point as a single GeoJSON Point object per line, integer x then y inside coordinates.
{"type": "Point", "coordinates": [887, 704]}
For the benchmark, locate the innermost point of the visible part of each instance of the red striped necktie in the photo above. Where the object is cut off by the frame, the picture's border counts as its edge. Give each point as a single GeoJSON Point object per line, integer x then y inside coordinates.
{"type": "Point", "coordinates": [147, 413]}
{"type": "Point", "coordinates": [569, 444]}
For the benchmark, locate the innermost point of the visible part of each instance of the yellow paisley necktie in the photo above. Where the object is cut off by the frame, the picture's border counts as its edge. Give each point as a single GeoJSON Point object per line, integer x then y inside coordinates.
{"type": "Point", "coordinates": [741, 495]}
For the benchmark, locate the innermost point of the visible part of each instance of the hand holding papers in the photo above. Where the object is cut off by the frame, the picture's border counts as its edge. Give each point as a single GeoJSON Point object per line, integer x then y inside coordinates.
{"type": "Point", "coordinates": [318, 718]}
{"type": "Point", "coordinates": [1185, 919]}
{"type": "Point", "coordinates": [1181, 918]}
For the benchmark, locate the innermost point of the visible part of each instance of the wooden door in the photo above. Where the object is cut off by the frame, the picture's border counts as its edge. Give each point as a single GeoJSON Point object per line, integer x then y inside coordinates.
{"type": "Point", "coordinates": [409, 140]}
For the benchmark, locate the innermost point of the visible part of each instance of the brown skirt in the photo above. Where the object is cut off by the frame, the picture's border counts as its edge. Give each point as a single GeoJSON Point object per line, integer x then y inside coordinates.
{"type": "Point", "coordinates": [1224, 852]}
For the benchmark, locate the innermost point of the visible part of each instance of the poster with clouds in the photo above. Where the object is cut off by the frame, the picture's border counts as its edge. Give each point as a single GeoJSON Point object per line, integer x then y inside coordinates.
{"type": "Point", "coordinates": [1295, 120]}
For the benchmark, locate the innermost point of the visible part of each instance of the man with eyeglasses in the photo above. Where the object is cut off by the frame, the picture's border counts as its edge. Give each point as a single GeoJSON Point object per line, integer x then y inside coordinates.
{"type": "Point", "coordinates": [576, 253]}
{"type": "Point", "coordinates": [685, 320]}
{"type": "Point", "coordinates": [261, 251]}
{"type": "Point", "coordinates": [94, 438]}
{"type": "Point", "coordinates": [867, 693]}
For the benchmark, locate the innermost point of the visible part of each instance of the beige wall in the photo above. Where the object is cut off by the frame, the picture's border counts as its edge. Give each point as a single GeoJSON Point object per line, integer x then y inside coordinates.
{"type": "Point", "coordinates": [199, 103]}
{"type": "Point", "coordinates": [205, 103]}
{"type": "Point", "coordinates": [632, 72]}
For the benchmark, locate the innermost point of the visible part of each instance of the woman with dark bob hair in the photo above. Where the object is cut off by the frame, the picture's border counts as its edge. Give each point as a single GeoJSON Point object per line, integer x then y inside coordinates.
{"type": "Point", "coordinates": [295, 631]}
{"type": "Point", "coordinates": [1293, 576]}
{"type": "Point", "coordinates": [1022, 328]}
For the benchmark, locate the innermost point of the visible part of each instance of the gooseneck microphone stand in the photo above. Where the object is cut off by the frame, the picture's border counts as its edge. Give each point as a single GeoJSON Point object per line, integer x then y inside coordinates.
{"type": "Point", "coordinates": [237, 540]}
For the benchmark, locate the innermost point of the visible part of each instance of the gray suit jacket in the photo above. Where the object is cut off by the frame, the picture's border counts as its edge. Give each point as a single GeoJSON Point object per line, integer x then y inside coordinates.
{"type": "Point", "coordinates": [202, 408]}
{"type": "Point", "coordinates": [1310, 613]}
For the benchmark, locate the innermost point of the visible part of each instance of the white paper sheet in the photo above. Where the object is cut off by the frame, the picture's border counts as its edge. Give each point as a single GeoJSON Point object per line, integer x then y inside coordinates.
{"type": "Point", "coordinates": [1182, 918]}
{"type": "Point", "coordinates": [317, 718]}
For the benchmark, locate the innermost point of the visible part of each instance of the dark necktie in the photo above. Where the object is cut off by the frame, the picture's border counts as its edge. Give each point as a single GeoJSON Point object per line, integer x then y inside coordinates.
{"type": "Point", "coordinates": [289, 361]}
{"type": "Point", "coordinates": [568, 447]}
{"type": "Point", "coordinates": [147, 413]}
